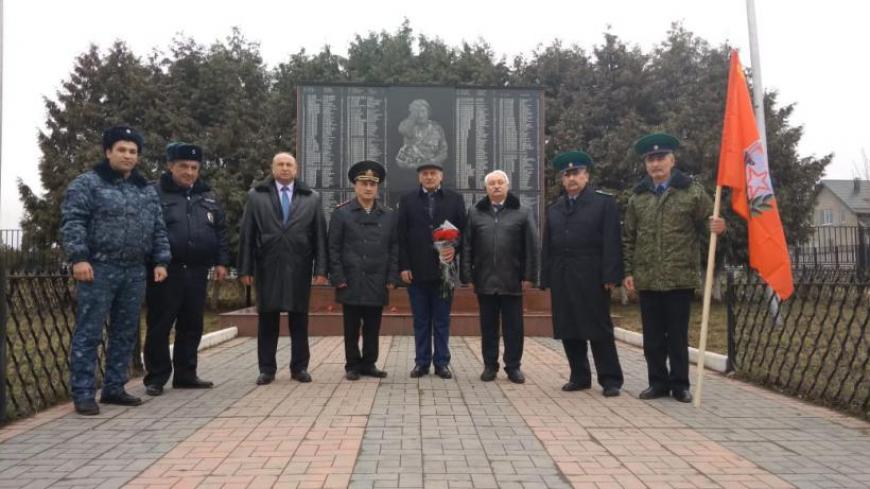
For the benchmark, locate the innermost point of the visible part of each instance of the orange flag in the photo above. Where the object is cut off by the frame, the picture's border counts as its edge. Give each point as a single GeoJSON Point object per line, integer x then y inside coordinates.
{"type": "Point", "coordinates": [743, 167]}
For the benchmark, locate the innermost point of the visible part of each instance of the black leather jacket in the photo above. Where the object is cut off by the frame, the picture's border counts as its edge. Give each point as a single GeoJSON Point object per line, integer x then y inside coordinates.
{"type": "Point", "coordinates": [499, 250]}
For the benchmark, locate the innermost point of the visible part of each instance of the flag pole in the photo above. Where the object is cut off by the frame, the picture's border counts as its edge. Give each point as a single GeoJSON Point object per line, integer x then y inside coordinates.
{"type": "Point", "coordinates": [708, 292]}
{"type": "Point", "coordinates": [758, 102]}
{"type": "Point", "coordinates": [757, 86]}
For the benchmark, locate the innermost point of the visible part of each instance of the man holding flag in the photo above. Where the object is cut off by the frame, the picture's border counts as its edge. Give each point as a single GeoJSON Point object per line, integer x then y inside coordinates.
{"type": "Point", "coordinates": [664, 221]}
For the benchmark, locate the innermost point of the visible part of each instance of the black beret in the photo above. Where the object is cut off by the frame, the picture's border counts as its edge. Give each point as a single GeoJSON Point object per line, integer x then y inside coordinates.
{"type": "Point", "coordinates": [183, 151]}
{"type": "Point", "coordinates": [656, 143]}
{"type": "Point", "coordinates": [572, 159]}
{"type": "Point", "coordinates": [367, 170]}
{"type": "Point", "coordinates": [122, 133]}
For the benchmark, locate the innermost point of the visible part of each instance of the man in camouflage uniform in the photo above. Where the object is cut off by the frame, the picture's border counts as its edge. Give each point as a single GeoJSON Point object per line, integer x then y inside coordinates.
{"type": "Point", "coordinates": [111, 225]}
{"type": "Point", "coordinates": [664, 221]}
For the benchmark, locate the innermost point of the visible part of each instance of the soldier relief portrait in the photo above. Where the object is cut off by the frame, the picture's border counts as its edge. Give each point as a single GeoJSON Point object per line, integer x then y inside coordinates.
{"type": "Point", "coordinates": [424, 142]}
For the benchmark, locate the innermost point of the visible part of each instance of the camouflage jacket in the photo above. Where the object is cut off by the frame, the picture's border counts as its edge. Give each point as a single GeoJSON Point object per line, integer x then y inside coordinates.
{"type": "Point", "coordinates": [108, 219]}
{"type": "Point", "coordinates": [661, 235]}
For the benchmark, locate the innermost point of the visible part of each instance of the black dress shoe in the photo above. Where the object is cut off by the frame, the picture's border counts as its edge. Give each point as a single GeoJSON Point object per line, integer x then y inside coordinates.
{"type": "Point", "coordinates": [88, 407]}
{"type": "Point", "coordinates": [154, 390]}
{"type": "Point", "coordinates": [516, 376]}
{"type": "Point", "coordinates": [683, 395]}
{"type": "Point", "coordinates": [571, 387]}
{"type": "Point", "coordinates": [264, 379]}
{"type": "Point", "coordinates": [351, 375]}
{"type": "Point", "coordinates": [443, 372]}
{"type": "Point", "coordinates": [653, 393]}
{"type": "Point", "coordinates": [121, 399]}
{"type": "Point", "coordinates": [488, 374]}
{"type": "Point", "coordinates": [419, 371]}
{"type": "Point", "coordinates": [611, 391]}
{"type": "Point", "coordinates": [373, 372]}
{"type": "Point", "coordinates": [194, 383]}
{"type": "Point", "coordinates": [302, 376]}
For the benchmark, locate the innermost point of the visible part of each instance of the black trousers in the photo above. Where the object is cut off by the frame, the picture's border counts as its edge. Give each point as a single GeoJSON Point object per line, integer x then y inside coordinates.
{"type": "Point", "coordinates": [505, 313]}
{"type": "Point", "coordinates": [177, 301]}
{"type": "Point", "coordinates": [367, 318]}
{"type": "Point", "coordinates": [665, 317]}
{"type": "Point", "coordinates": [606, 362]}
{"type": "Point", "coordinates": [267, 341]}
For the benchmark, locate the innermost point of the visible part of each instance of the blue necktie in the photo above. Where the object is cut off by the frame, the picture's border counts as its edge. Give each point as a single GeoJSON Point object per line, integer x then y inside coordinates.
{"type": "Point", "coordinates": [660, 189]}
{"type": "Point", "coordinates": [285, 203]}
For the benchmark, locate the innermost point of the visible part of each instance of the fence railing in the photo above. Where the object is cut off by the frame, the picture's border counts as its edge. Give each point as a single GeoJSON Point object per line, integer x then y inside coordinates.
{"type": "Point", "coordinates": [843, 247]}
{"type": "Point", "coordinates": [39, 322]}
{"type": "Point", "coordinates": [36, 329]}
{"type": "Point", "coordinates": [815, 346]}
{"type": "Point", "coordinates": [20, 254]}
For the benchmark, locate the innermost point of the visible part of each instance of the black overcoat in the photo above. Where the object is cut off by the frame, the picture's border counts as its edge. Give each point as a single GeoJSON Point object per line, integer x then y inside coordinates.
{"type": "Point", "coordinates": [581, 252]}
{"type": "Point", "coordinates": [282, 258]}
{"type": "Point", "coordinates": [363, 253]}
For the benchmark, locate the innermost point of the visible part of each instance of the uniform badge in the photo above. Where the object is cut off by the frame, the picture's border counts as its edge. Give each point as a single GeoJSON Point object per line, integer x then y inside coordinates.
{"type": "Point", "coordinates": [210, 217]}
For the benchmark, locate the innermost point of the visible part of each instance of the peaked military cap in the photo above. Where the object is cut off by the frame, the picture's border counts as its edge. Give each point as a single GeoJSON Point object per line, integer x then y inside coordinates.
{"type": "Point", "coordinates": [183, 151]}
{"type": "Point", "coordinates": [427, 166]}
{"type": "Point", "coordinates": [656, 143]}
{"type": "Point", "coordinates": [572, 159]}
{"type": "Point", "coordinates": [367, 170]}
{"type": "Point", "coordinates": [122, 133]}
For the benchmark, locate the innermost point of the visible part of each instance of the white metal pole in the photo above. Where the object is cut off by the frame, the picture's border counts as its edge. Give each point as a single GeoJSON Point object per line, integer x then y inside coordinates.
{"type": "Point", "coordinates": [758, 101]}
{"type": "Point", "coordinates": [757, 86]}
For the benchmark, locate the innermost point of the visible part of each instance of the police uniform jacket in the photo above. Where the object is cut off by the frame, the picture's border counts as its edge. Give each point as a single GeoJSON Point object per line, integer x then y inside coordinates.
{"type": "Point", "coordinates": [582, 252]}
{"type": "Point", "coordinates": [363, 253]}
{"type": "Point", "coordinates": [106, 218]}
{"type": "Point", "coordinates": [282, 258]}
{"type": "Point", "coordinates": [195, 222]}
{"type": "Point", "coordinates": [499, 249]}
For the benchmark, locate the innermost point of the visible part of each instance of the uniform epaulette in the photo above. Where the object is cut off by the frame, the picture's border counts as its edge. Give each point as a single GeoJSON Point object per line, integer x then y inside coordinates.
{"type": "Point", "coordinates": [348, 201]}
{"type": "Point", "coordinates": [602, 192]}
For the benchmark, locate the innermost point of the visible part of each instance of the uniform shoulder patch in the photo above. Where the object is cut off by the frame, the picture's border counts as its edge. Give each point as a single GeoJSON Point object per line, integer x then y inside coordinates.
{"type": "Point", "coordinates": [602, 192]}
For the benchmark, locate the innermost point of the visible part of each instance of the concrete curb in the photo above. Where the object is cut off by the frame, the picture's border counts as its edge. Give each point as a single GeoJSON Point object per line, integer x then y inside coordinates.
{"type": "Point", "coordinates": [217, 337]}
{"type": "Point", "coordinates": [712, 361]}
{"type": "Point", "coordinates": [209, 340]}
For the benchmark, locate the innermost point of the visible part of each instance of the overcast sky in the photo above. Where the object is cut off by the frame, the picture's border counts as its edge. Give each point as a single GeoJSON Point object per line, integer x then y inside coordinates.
{"type": "Point", "coordinates": [812, 53]}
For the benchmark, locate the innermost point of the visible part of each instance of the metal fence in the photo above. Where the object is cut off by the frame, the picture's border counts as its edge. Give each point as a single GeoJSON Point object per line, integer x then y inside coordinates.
{"type": "Point", "coordinates": [844, 247]}
{"type": "Point", "coordinates": [19, 254]}
{"type": "Point", "coordinates": [815, 346]}
{"type": "Point", "coordinates": [39, 319]}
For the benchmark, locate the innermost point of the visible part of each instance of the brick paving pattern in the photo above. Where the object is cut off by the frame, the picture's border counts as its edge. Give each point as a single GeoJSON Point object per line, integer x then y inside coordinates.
{"type": "Point", "coordinates": [431, 433]}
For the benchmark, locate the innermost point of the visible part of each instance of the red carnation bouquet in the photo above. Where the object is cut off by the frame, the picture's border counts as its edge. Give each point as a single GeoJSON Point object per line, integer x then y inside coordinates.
{"type": "Point", "coordinates": [444, 236]}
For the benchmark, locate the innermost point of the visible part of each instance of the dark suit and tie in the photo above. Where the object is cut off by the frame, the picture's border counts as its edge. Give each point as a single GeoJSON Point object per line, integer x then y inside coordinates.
{"type": "Point", "coordinates": [282, 244]}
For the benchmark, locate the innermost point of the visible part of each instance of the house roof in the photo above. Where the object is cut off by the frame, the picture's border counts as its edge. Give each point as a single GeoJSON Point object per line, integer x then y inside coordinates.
{"type": "Point", "coordinates": [858, 201]}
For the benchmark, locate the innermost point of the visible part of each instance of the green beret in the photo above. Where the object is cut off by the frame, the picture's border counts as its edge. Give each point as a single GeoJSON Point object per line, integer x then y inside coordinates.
{"type": "Point", "coordinates": [572, 159]}
{"type": "Point", "coordinates": [367, 170]}
{"type": "Point", "coordinates": [656, 143]}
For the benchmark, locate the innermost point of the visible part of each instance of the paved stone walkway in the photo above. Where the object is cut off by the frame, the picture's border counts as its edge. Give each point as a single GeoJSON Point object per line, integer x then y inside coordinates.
{"type": "Point", "coordinates": [431, 433]}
